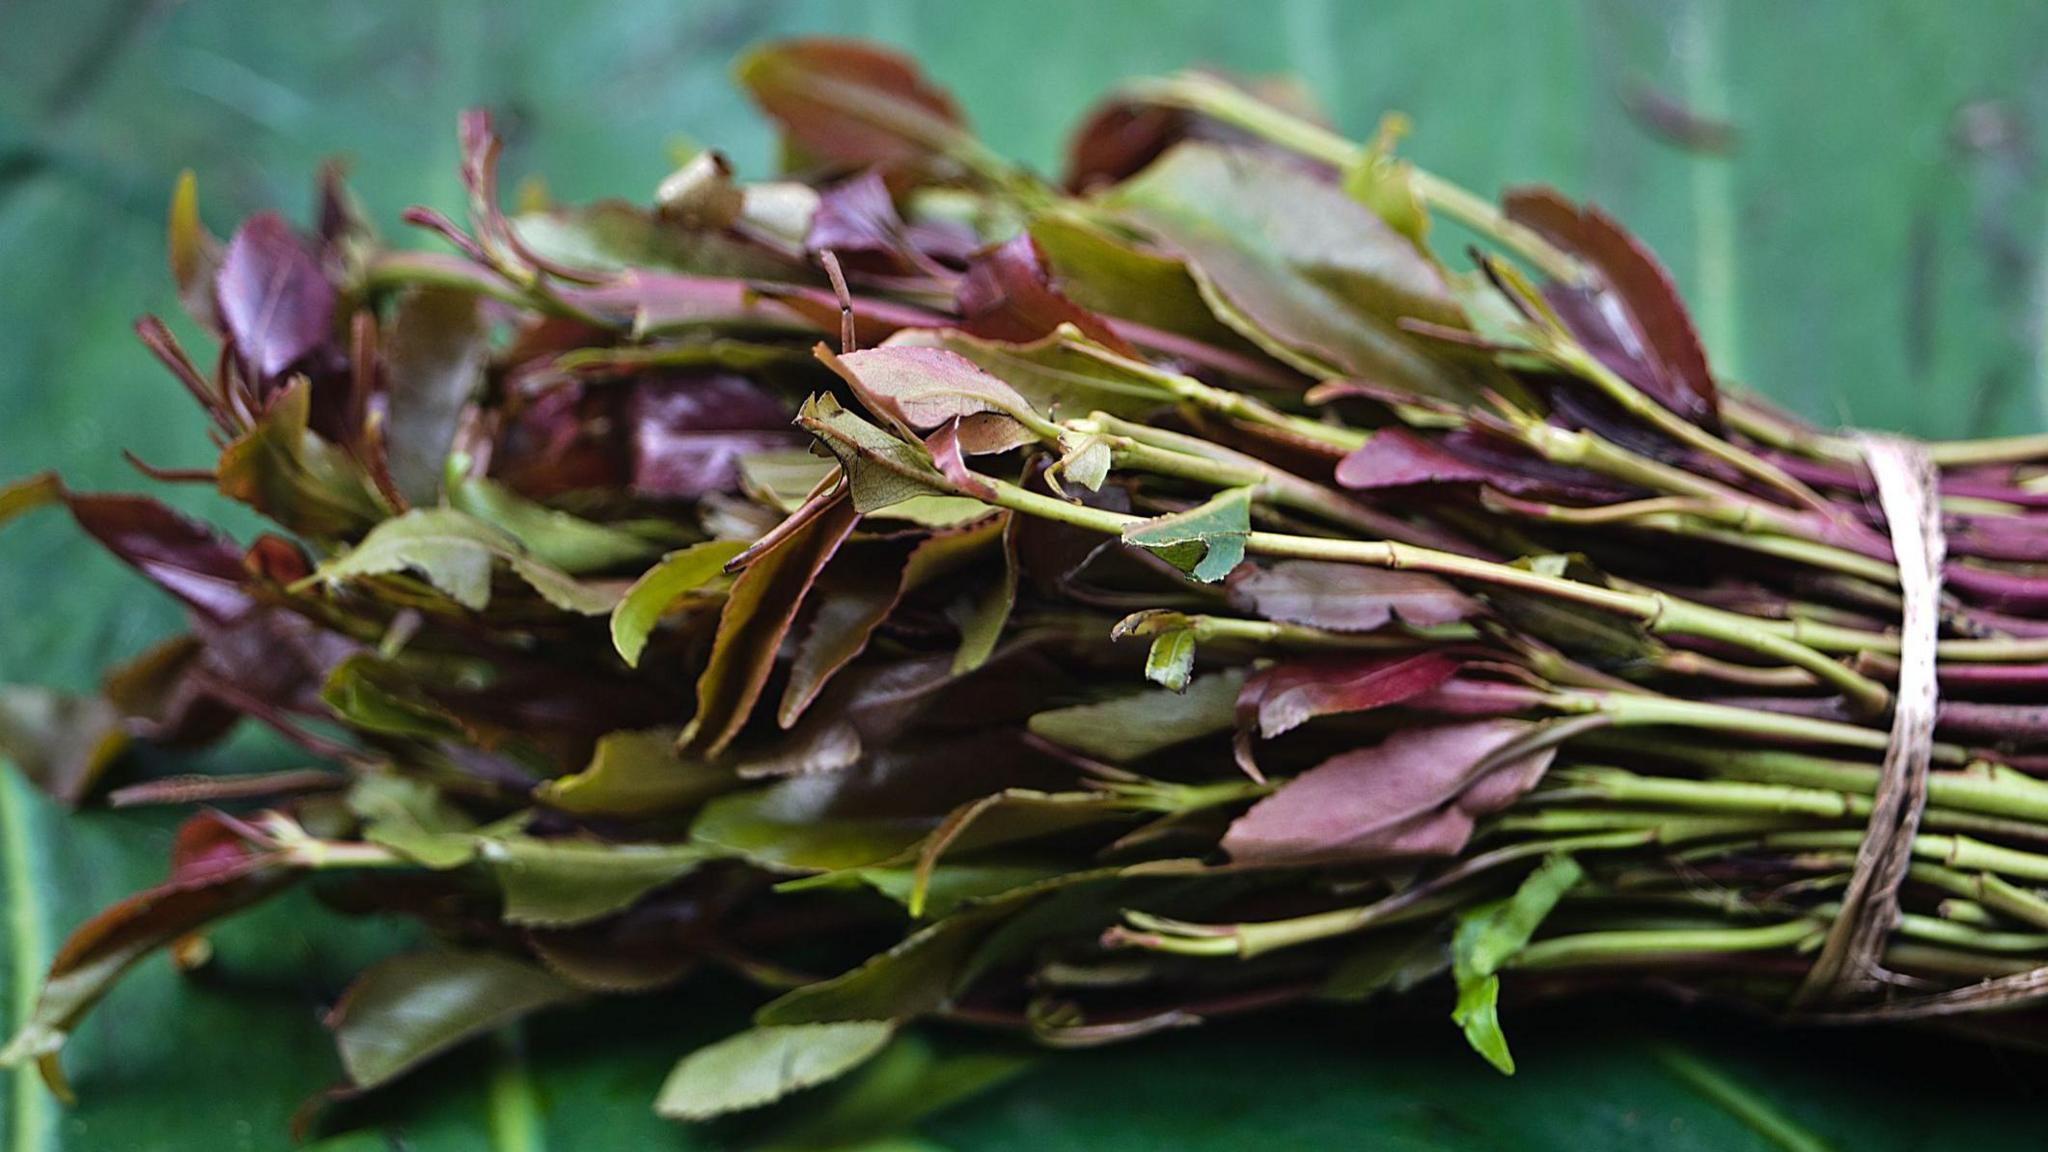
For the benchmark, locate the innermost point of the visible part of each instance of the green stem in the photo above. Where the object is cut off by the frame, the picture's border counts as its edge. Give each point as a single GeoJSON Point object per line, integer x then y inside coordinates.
{"type": "Point", "coordinates": [1959, 852]}
{"type": "Point", "coordinates": [515, 1114]}
{"type": "Point", "coordinates": [1259, 937]}
{"type": "Point", "coordinates": [1635, 403]}
{"type": "Point", "coordinates": [1991, 891]}
{"type": "Point", "coordinates": [1653, 945]}
{"type": "Point", "coordinates": [1758, 1114]}
{"type": "Point", "coordinates": [32, 1126]}
{"type": "Point", "coordinates": [1664, 615]}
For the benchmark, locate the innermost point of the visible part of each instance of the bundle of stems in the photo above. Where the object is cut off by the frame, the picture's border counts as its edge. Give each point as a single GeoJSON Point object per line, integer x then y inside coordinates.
{"type": "Point", "coordinates": [930, 592]}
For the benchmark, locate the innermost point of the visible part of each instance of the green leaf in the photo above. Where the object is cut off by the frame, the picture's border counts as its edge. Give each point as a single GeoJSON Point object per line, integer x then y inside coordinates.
{"type": "Point", "coordinates": [434, 358]}
{"type": "Point", "coordinates": [551, 536]}
{"type": "Point", "coordinates": [612, 236]}
{"type": "Point", "coordinates": [554, 882]}
{"type": "Point", "coordinates": [872, 1110]}
{"type": "Point", "coordinates": [1102, 271]}
{"type": "Point", "coordinates": [1296, 266]}
{"type": "Point", "coordinates": [1488, 937]}
{"type": "Point", "coordinates": [62, 743]}
{"type": "Point", "coordinates": [757, 615]}
{"type": "Point", "coordinates": [410, 1008]}
{"type": "Point", "coordinates": [455, 553]}
{"type": "Point", "coordinates": [762, 1065]}
{"type": "Point", "coordinates": [678, 573]}
{"type": "Point", "coordinates": [1135, 726]}
{"type": "Point", "coordinates": [1063, 373]}
{"type": "Point", "coordinates": [1171, 660]}
{"type": "Point", "coordinates": [784, 479]}
{"type": "Point", "coordinates": [375, 695]}
{"type": "Point", "coordinates": [881, 469]}
{"type": "Point", "coordinates": [1206, 541]}
{"type": "Point", "coordinates": [282, 469]}
{"type": "Point", "coordinates": [635, 773]}
{"type": "Point", "coordinates": [1385, 183]}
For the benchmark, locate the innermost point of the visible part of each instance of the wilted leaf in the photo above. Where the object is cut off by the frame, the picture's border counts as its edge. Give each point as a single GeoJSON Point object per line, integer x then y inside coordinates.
{"type": "Point", "coordinates": [881, 470]}
{"type": "Point", "coordinates": [1346, 597]}
{"type": "Point", "coordinates": [433, 363]}
{"type": "Point", "coordinates": [861, 587]}
{"type": "Point", "coordinates": [411, 1008]}
{"type": "Point", "coordinates": [850, 105]}
{"type": "Point", "coordinates": [62, 743]}
{"type": "Point", "coordinates": [213, 874]}
{"type": "Point", "coordinates": [184, 557]}
{"type": "Point", "coordinates": [1287, 695]}
{"type": "Point", "coordinates": [764, 1064]}
{"type": "Point", "coordinates": [1633, 321]}
{"type": "Point", "coordinates": [1063, 373]}
{"type": "Point", "coordinates": [1008, 295]}
{"type": "Point", "coordinates": [757, 615]}
{"type": "Point", "coordinates": [1416, 793]}
{"type": "Point", "coordinates": [923, 388]}
{"type": "Point", "coordinates": [692, 435]}
{"type": "Point", "coordinates": [1206, 541]}
{"type": "Point", "coordinates": [1134, 726]}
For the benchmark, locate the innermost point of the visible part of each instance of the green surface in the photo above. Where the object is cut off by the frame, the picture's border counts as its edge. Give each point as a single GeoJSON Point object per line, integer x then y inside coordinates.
{"type": "Point", "coordinates": [1870, 253]}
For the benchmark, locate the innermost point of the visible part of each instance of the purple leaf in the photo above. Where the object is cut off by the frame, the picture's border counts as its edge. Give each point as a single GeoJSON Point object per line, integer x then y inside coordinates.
{"type": "Point", "coordinates": [1398, 458]}
{"type": "Point", "coordinates": [689, 435]}
{"type": "Point", "coordinates": [846, 104]}
{"type": "Point", "coordinates": [925, 388]}
{"type": "Point", "coordinates": [1417, 793]}
{"type": "Point", "coordinates": [1009, 295]}
{"type": "Point", "coordinates": [181, 556]}
{"type": "Point", "coordinates": [1286, 696]}
{"type": "Point", "coordinates": [276, 303]}
{"type": "Point", "coordinates": [1346, 597]}
{"type": "Point", "coordinates": [1633, 320]}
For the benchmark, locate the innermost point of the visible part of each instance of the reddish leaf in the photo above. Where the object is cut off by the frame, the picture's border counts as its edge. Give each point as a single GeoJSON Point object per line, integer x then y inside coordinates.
{"type": "Point", "coordinates": [856, 218]}
{"type": "Point", "coordinates": [1346, 597]}
{"type": "Point", "coordinates": [1286, 696]}
{"type": "Point", "coordinates": [214, 873]}
{"type": "Point", "coordinates": [1008, 294]}
{"type": "Point", "coordinates": [926, 388]}
{"type": "Point", "coordinates": [183, 557]}
{"type": "Point", "coordinates": [757, 615]}
{"type": "Point", "coordinates": [849, 105]}
{"type": "Point", "coordinates": [1416, 793]}
{"type": "Point", "coordinates": [1633, 320]}
{"type": "Point", "coordinates": [275, 301]}
{"type": "Point", "coordinates": [1118, 139]}
{"type": "Point", "coordinates": [1398, 458]}
{"type": "Point", "coordinates": [690, 434]}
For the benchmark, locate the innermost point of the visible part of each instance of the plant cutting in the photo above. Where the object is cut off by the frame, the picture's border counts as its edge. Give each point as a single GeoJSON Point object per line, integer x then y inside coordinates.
{"type": "Point", "coordinates": [933, 594]}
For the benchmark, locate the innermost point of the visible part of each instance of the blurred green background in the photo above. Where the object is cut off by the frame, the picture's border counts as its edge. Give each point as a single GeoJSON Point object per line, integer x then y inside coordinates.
{"type": "Point", "coordinates": [1870, 251]}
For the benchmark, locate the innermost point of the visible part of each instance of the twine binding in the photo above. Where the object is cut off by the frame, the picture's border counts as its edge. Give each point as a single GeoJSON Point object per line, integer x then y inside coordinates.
{"type": "Point", "coordinates": [1850, 965]}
